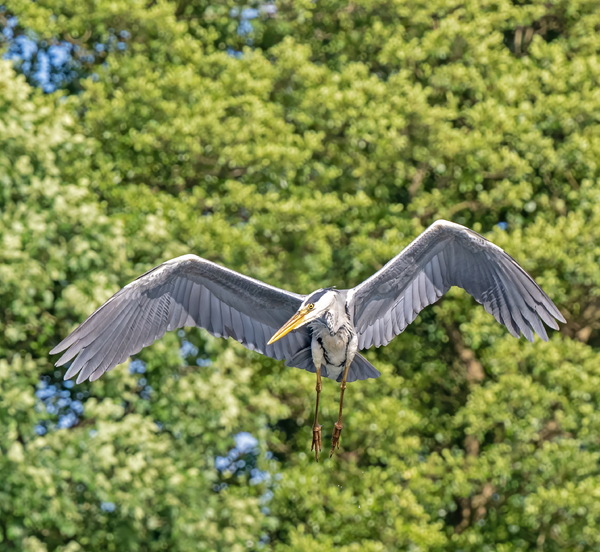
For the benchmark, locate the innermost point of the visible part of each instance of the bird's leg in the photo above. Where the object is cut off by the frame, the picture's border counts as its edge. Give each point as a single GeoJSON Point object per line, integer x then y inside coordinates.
{"type": "Point", "coordinates": [316, 441]}
{"type": "Point", "coordinates": [337, 428]}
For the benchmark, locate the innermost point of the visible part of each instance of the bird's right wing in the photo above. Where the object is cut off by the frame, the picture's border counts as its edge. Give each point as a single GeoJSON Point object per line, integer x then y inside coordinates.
{"type": "Point", "coordinates": [446, 255]}
{"type": "Point", "coordinates": [185, 291]}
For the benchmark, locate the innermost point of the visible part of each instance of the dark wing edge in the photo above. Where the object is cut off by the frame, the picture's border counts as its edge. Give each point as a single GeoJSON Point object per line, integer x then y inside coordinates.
{"type": "Point", "coordinates": [185, 291]}
{"type": "Point", "coordinates": [445, 255]}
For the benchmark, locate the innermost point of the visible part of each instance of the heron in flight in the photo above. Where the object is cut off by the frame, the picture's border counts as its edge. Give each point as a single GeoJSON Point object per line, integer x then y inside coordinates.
{"type": "Point", "coordinates": [322, 332]}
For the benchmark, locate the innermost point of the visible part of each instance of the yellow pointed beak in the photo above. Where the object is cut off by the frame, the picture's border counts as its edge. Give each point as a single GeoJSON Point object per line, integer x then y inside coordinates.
{"type": "Point", "coordinates": [290, 325]}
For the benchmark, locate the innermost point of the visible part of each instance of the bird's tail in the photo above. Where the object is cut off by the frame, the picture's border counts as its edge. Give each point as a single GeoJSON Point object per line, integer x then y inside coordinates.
{"type": "Point", "coordinates": [360, 368]}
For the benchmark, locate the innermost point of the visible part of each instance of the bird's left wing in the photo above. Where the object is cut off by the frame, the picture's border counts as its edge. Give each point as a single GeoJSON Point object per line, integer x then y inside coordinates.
{"type": "Point", "coordinates": [185, 291]}
{"type": "Point", "coordinates": [446, 255]}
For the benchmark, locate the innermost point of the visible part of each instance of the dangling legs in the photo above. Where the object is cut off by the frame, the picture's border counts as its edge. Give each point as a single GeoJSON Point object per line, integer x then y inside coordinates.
{"type": "Point", "coordinates": [337, 427]}
{"type": "Point", "coordinates": [316, 441]}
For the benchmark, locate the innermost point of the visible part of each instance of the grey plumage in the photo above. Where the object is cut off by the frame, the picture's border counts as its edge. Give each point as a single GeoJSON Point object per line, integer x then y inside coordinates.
{"type": "Point", "coordinates": [191, 291]}
{"type": "Point", "coordinates": [186, 291]}
{"type": "Point", "coordinates": [446, 255]}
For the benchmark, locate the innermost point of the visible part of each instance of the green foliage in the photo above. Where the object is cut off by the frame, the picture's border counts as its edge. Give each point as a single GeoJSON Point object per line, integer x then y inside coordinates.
{"type": "Point", "coordinates": [333, 137]}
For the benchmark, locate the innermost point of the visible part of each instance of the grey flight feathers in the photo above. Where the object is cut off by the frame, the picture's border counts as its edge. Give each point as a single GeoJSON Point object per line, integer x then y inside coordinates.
{"type": "Point", "coordinates": [191, 291]}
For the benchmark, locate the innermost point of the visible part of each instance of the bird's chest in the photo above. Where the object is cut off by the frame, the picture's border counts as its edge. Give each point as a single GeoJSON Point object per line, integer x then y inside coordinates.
{"type": "Point", "coordinates": [332, 351]}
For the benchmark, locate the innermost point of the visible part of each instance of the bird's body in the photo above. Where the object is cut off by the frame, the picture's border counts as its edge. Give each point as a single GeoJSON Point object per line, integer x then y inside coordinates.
{"type": "Point", "coordinates": [333, 340]}
{"type": "Point", "coordinates": [326, 328]}
{"type": "Point", "coordinates": [333, 349]}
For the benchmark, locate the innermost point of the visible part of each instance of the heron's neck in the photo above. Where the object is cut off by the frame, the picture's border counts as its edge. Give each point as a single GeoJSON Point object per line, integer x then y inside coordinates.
{"type": "Point", "coordinates": [336, 318]}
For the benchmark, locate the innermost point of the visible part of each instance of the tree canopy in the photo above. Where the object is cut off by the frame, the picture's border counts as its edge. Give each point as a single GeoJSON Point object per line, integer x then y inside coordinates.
{"type": "Point", "coordinates": [302, 143]}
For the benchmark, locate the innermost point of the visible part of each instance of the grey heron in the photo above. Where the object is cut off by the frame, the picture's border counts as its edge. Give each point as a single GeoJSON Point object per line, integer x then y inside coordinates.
{"type": "Point", "coordinates": [322, 332]}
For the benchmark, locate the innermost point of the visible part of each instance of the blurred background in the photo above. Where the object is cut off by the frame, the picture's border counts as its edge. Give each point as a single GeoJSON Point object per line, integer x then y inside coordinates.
{"type": "Point", "coordinates": [303, 143]}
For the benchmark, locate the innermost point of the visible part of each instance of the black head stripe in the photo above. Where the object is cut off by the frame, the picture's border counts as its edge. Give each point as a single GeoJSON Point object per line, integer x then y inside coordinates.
{"type": "Point", "coordinates": [317, 295]}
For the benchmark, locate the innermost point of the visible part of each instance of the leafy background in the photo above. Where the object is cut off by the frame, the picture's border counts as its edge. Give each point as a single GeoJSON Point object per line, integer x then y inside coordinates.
{"type": "Point", "coordinates": [303, 143]}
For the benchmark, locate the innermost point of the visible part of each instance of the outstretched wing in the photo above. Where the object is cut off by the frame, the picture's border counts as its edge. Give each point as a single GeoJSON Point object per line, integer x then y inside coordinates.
{"type": "Point", "coordinates": [446, 255]}
{"type": "Point", "coordinates": [185, 291]}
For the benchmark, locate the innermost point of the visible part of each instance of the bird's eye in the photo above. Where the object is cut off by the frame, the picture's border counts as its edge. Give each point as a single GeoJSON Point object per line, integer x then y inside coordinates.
{"type": "Point", "coordinates": [310, 306]}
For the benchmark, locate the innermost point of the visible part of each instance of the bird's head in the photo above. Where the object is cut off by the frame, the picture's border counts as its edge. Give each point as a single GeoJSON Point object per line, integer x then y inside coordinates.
{"type": "Point", "coordinates": [315, 306]}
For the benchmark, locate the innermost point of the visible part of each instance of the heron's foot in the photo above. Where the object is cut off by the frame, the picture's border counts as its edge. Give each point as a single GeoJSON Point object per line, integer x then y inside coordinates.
{"type": "Point", "coordinates": [316, 442]}
{"type": "Point", "coordinates": [335, 438]}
